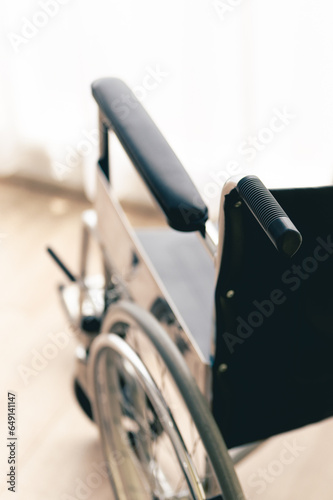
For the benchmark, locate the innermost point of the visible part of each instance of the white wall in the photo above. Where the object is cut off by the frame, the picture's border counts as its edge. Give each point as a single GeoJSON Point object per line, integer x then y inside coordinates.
{"type": "Point", "coordinates": [227, 67]}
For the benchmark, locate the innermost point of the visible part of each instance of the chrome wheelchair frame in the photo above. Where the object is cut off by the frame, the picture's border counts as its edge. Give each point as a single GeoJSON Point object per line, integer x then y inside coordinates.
{"type": "Point", "coordinates": [82, 301]}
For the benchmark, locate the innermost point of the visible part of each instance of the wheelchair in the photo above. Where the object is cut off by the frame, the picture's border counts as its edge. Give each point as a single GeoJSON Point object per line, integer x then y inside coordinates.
{"type": "Point", "coordinates": [197, 339]}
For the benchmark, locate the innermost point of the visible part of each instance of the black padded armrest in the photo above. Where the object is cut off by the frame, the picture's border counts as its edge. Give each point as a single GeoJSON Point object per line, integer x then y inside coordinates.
{"type": "Point", "coordinates": [151, 155]}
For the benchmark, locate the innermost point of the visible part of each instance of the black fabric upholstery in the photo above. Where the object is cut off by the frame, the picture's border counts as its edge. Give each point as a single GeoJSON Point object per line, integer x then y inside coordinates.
{"type": "Point", "coordinates": [151, 155]}
{"type": "Point", "coordinates": [279, 373]}
{"type": "Point", "coordinates": [187, 272]}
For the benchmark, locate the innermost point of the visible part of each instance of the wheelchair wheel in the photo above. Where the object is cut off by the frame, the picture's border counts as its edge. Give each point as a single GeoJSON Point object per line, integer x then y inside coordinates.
{"type": "Point", "coordinates": [159, 438]}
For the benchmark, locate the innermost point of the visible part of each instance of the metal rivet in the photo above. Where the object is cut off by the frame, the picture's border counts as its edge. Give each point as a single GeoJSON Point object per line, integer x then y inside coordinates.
{"type": "Point", "coordinates": [238, 204]}
{"type": "Point", "coordinates": [223, 368]}
{"type": "Point", "coordinates": [230, 294]}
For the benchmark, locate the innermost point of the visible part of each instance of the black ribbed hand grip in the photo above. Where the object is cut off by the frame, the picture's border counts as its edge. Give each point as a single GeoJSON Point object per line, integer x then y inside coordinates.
{"type": "Point", "coordinates": [270, 215]}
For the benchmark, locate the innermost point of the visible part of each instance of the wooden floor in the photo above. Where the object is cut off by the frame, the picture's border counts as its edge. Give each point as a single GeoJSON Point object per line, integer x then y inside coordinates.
{"type": "Point", "coordinates": [59, 456]}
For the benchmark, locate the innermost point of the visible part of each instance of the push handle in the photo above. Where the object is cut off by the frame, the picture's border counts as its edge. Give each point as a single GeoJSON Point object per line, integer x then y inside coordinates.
{"type": "Point", "coordinates": [270, 215]}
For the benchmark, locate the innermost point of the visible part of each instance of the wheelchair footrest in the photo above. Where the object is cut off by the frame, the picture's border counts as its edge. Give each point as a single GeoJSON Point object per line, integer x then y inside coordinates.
{"type": "Point", "coordinates": [87, 318]}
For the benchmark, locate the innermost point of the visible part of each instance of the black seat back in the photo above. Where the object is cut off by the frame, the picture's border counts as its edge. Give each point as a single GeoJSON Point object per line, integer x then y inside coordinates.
{"type": "Point", "coordinates": [273, 369]}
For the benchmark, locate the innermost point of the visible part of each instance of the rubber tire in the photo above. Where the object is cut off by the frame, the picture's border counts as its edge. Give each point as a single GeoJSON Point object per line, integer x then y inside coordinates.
{"type": "Point", "coordinates": [83, 400]}
{"type": "Point", "coordinates": [193, 398]}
